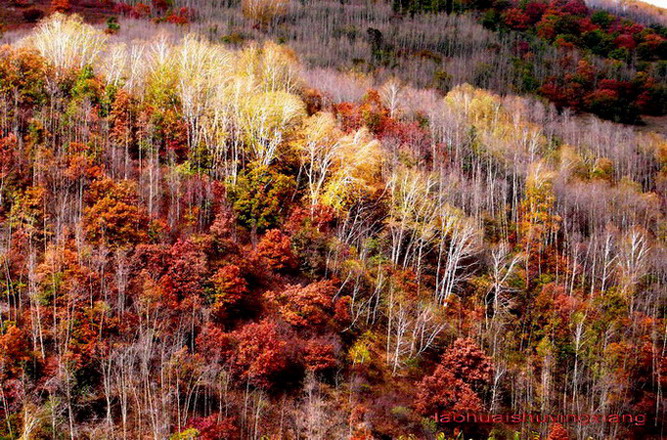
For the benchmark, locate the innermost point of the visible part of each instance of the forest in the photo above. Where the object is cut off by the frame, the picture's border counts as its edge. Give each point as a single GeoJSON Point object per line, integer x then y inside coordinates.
{"type": "Point", "coordinates": [317, 219]}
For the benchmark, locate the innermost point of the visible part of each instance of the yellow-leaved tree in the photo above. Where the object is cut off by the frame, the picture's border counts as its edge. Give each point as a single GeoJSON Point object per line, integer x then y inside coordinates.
{"type": "Point", "coordinates": [267, 120]}
{"type": "Point", "coordinates": [317, 152]}
{"type": "Point", "coordinates": [66, 42]}
{"type": "Point", "coordinates": [355, 171]}
{"type": "Point", "coordinates": [203, 71]}
{"type": "Point", "coordinates": [538, 219]}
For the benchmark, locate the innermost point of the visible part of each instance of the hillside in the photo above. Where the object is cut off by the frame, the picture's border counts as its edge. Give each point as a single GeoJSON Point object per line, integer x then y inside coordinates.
{"type": "Point", "coordinates": [324, 220]}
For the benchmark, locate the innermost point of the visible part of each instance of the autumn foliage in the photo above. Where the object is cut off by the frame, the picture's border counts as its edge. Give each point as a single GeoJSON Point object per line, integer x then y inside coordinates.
{"type": "Point", "coordinates": [202, 240]}
{"type": "Point", "coordinates": [461, 375]}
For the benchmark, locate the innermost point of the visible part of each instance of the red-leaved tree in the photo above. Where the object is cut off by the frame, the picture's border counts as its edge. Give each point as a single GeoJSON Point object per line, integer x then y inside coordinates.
{"type": "Point", "coordinates": [456, 383]}
{"type": "Point", "coordinates": [261, 353]}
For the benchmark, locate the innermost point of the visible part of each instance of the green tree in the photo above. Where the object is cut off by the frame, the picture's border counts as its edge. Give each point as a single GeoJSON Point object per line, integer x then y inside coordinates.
{"type": "Point", "coordinates": [260, 196]}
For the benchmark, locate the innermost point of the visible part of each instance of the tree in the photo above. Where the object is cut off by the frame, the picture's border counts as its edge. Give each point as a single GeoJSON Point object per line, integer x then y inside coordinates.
{"type": "Point", "coordinates": [320, 355]}
{"type": "Point", "coordinates": [464, 370]}
{"type": "Point", "coordinates": [267, 120]}
{"type": "Point", "coordinates": [141, 10]}
{"type": "Point", "coordinates": [259, 197]}
{"type": "Point", "coordinates": [7, 159]}
{"type": "Point", "coordinates": [443, 391]}
{"type": "Point", "coordinates": [275, 250]}
{"type": "Point", "coordinates": [114, 217]}
{"type": "Point", "coordinates": [358, 164]}
{"type": "Point", "coordinates": [516, 19]}
{"type": "Point", "coordinates": [309, 306]}
{"type": "Point", "coordinates": [468, 362]}
{"type": "Point", "coordinates": [161, 5]}
{"type": "Point", "coordinates": [260, 353]}
{"type": "Point", "coordinates": [229, 289]}
{"type": "Point", "coordinates": [122, 118]}
{"type": "Point", "coordinates": [187, 270]}
{"type": "Point", "coordinates": [318, 152]}
{"type": "Point", "coordinates": [28, 211]}
{"type": "Point", "coordinates": [14, 350]}
{"type": "Point", "coordinates": [66, 42]}
{"type": "Point", "coordinates": [634, 252]}
{"type": "Point", "coordinates": [25, 74]}
{"type": "Point", "coordinates": [539, 219]}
